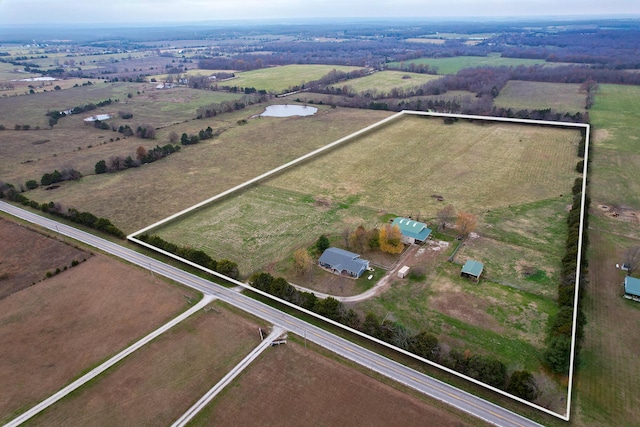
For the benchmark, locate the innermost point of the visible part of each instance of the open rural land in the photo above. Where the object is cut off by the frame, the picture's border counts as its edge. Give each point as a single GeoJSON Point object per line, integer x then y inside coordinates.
{"type": "Point", "coordinates": [443, 188]}
{"type": "Point", "coordinates": [86, 308]}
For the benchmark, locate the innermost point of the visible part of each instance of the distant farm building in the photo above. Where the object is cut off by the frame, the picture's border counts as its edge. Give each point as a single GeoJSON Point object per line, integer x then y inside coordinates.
{"type": "Point", "coordinates": [472, 269]}
{"type": "Point", "coordinates": [412, 231]}
{"type": "Point", "coordinates": [343, 262]}
{"type": "Point", "coordinates": [632, 288]}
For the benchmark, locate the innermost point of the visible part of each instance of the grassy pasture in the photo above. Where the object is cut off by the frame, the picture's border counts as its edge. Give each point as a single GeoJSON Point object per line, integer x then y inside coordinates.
{"type": "Point", "coordinates": [261, 225]}
{"type": "Point", "coordinates": [158, 383]}
{"type": "Point", "coordinates": [278, 79]}
{"type": "Point", "coordinates": [138, 197]}
{"type": "Point", "coordinates": [474, 167]}
{"type": "Point", "coordinates": [486, 318]}
{"type": "Point", "coordinates": [266, 222]}
{"type": "Point", "coordinates": [384, 81]}
{"type": "Point", "coordinates": [562, 97]}
{"type": "Point", "coordinates": [156, 107]}
{"type": "Point", "coordinates": [607, 390]}
{"type": "Point", "coordinates": [457, 63]}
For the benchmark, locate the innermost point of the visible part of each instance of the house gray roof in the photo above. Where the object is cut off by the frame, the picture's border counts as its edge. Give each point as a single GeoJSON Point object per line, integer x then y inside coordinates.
{"type": "Point", "coordinates": [411, 228]}
{"type": "Point", "coordinates": [631, 286]}
{"type": "Point", "coordinates": [342, 260]}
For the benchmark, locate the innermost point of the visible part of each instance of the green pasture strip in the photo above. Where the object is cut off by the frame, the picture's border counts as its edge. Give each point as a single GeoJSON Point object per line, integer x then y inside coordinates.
{"type": "Point", "coordinates": [385, 81]}
{"type": "Point", "coordinates": [278, 79]}
{"type": "Point", "coordinates": [561, 97]}
{"type": "Point", "coordinates": [457, 63]}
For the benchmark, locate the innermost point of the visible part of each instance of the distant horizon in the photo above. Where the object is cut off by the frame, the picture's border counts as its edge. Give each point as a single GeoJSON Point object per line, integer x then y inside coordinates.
{"type": "Point", "coordinates": [191, 12]}
{"type": "Point", "coordinates": [306, 20]}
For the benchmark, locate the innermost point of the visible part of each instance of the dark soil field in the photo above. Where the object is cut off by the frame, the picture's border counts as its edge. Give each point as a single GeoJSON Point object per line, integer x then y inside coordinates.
{"type": "Point", "coordinates": [26, 256]}
{"type": "Point", "coordinates": [292, 385]}
{"type": "Point", "coordinates": [56, 330]}
{"type": "Point", "coordinates": [158, 383]}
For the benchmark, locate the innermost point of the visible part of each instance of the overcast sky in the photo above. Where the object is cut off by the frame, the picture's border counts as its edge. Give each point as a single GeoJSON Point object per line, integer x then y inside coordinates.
{"type": "Point", "coordinates": [150, 11]}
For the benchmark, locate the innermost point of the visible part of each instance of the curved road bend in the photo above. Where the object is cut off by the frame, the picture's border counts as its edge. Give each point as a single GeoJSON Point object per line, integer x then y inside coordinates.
{"type": "Point", "coordinates": [453, 396]}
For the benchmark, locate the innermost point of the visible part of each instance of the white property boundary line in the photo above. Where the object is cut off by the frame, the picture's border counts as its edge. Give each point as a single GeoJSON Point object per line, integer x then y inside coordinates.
{"type": "Point", "coordinates": [587, 127]}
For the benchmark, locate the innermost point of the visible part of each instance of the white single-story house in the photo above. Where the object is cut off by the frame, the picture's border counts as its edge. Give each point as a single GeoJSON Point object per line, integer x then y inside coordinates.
{"type": "Point", "coordinates": [412, 231]}
{"type": "Point", "coordinates": [343, 262]}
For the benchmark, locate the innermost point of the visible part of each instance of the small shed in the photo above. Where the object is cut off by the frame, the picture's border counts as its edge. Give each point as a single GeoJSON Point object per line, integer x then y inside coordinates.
{"type": "Point", "coordinates": [472, 269]}
{"type": "Point", "coordinates": [403, 272]}
{"type": "Point", "coordinates": [632, 288]}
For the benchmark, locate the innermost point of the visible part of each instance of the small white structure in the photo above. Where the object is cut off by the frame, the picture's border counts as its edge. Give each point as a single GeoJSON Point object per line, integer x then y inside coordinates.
{"type": "Point", "coordinates": [403, 272]}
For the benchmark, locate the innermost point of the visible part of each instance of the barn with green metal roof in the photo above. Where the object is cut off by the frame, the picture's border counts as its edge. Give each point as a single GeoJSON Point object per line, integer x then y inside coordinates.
{"type": "Point", "coordinates": [472, 269]}
{"type": "Point", "coordinates": [632, 288]}
{"type": "Point", "coordinates": [412, 231]}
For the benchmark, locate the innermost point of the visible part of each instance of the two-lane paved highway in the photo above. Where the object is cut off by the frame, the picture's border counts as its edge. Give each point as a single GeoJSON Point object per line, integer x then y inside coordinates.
{"type": "Point", "coordinates": [460, 399]}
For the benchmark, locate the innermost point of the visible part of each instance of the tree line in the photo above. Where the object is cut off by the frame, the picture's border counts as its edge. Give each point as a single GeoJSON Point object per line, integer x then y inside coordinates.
{"type": "Point", "coordinates": [84, 218]}
{"type": "Point", "coordinates": [486, 369]}
{"type": "Point", "coordinates": [558, 342]}
{"type": "Point", "coordinates": [198, 256]}
{"type": "Point", "coordinates": [143, 156]}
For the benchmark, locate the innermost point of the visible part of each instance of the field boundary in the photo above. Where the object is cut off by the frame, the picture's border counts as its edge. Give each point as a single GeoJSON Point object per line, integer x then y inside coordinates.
{"type": "Point", "coordinates": [565, 417]}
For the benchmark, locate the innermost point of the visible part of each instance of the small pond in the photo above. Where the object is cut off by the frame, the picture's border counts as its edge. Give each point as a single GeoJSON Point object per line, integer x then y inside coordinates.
{"type": "Point", "coordinates": [288, 110]}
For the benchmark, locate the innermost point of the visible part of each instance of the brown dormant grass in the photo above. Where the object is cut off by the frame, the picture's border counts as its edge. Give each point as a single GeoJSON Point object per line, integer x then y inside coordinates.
{"type": "Point", "coordinates": [54, 331]}
{"type": "Point", "coordinates": [291, 385]}
{"type": "Point", "coordinates": [158, 383]}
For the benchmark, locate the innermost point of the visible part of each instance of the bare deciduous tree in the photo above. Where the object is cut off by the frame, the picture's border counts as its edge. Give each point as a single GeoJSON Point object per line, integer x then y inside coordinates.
{"type": "Point", "coordinates": [632, 259]}
{"type": "Point", "coordinates": [445, 215]}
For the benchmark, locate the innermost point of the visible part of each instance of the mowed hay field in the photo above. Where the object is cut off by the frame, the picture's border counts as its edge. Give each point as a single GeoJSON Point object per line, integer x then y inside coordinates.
{"type": "Point", "coordinates": [262, 225]}
{"type": "Point", "coordinates": [138, 197]}
{"type": "Point", "coordinates": [607, 389]}
{"type": "Point", "coordinates": [561, 97]}
{"type": "Point", "coordinates": [385, 81]}
{"type": "Point", "coordinates": [158, 383]}
{"type": "Point", "coordinates": [293, 385]}
{"type": "Point", "coordinates": [393, 169]}
{"type": "Point", "coordinates": [54, 331]}
{"type": "Point", "coordinates": [473, 166]}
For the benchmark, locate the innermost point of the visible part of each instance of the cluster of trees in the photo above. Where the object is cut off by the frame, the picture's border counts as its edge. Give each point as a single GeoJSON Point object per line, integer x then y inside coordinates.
{"type": "Point", "coordinates": [424, 344]}
{"type": "Point", "coordinates": [558, 351]}
{"type": "Point", "coordinates": [144, 131]}
{"type": "Point", "coordinates": [198, 256]}
{"type": "Point", "coordinates": [118, 163]}
{"type": "Point", "coordinates": [69, 174]}
{"type": "Point", "coordinates": [202, 135]}
{"type": "Point", "coordinates": [214, 109]}
{"type": "Point", "coordinates": [85, 218]}
{"type": "Point", "coordinates": [609, 48]}
{"type": "Point", "coordinates": [54, 116]}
